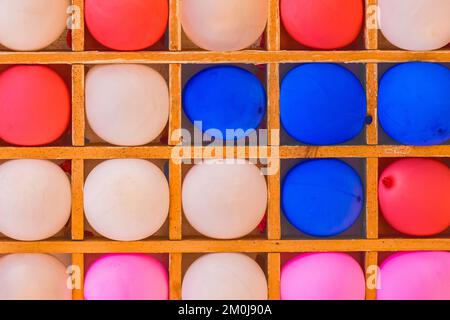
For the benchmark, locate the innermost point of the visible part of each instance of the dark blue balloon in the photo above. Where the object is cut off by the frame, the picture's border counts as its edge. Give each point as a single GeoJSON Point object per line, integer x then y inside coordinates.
{"type": "Point", "coordinates": [322, 104]}
{"type": "Point", "coordinates": [414, 103]}
{"type": "Point", "coordinates": [225, 97]}
{"type": "Point", "coordinates": [322, 198]}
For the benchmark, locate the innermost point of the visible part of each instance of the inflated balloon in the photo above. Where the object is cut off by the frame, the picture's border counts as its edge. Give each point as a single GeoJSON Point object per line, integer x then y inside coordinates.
{"type": "Point", "coordinates": [34, 105]}
{"type": "Point", "coordinates": [32, 25]}
{"type": "Point", "coordinates": [322, 276]}
{"type": "Point", "coordinates": [415, 24]}
{"type": "Point", "coordinates": [126, 277]}
{"type": "Point", "coordinates": [126, 105]}
{"type": "Point", "coordinates": [224, 199]}
{"type": "Point", "coordinates": [127, 24]}
{"type": "Point", "coordinates": [33, 277]}
{"type": "Point", "coordinates": [414, 196]}
{"type": "Point", "coordinates": [414, 103]}
{"type": "Point", "coordinates": [227, 100]}
{"type": "Point", "coordinates": [126, 199]}
{"type": "Point", "coordinates": [224, 276]}
{"type": "Point", "coordinates": [323, 24]}
{"type": "Point", "coordinates": [415, 276]}
{"type": "Point", "coordinates": [322, 104]}
{"type": "Point", "coordinates": [323, 197]}
{"type": "Point", "coordinates": [224, 25]}
{"type": "Point", "coordinates": [35, 199]}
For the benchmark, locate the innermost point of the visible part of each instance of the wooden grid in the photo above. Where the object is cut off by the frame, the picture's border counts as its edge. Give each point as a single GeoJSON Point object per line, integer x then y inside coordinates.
{"type": "Point", "coordinates": [176, 245]}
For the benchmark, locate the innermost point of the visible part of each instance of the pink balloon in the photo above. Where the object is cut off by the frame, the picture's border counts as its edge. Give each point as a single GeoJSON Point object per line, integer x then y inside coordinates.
{"type": "Point", "coordinates": [126, 277]}
{"type": "Point", "coordinates": [415, 276]}
{"type": "Point", "coordinates": [322, 276]}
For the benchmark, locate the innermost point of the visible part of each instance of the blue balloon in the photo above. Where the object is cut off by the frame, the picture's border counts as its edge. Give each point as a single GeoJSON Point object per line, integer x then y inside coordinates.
{"type": "Point", "coordinates": [414, 103]}
{"type": "Point", "coordinates": [322, 104]}
{"type": "Point", "coordinates": [322, 198]}
{"type": "Point", "coordinates": [225, 97]}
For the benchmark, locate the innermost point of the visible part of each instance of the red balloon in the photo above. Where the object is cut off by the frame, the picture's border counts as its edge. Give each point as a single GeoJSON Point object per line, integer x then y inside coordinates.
{"type": "Point", "coordinates": [34, 106]}
{"type": "Point", "coordinates": [323, 24]}
{"type": "Point", "coordinates": [414, 196]}
{"type": "Point", "coordinates": [127, 24]}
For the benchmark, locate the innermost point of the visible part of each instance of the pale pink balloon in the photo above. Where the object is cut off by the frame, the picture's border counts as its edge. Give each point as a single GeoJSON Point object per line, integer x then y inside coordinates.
{"type": "Point", "coordinates": [33, 277]}
{"type": "Point", "coordinates": [126, 199]}
{"type": "Point", "coordinates": [32, 25]}
{"type": "Point", "coordinates": [224, 276]}
{"type": "Point", "coordinates": [415, 24]}
{"type": "Point", "coordinates": [35, 199]}
{"type": "Point", "coordinates": [126, 105]}
{"type": "Point", "coordinates": [322, 276]}
{"type": "Point", "coordinates": [415, 276]}
{"type": "Point", "coordinates": [224, 25]}
{"type": "Point", "coordinates": [224, 199]}
{"type": "Point", "coordinates": [126, 277]}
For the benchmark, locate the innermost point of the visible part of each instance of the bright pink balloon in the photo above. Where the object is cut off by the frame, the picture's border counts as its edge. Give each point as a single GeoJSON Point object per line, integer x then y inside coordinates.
{"type": "Point", "coordinates": [126, 277]}
{"type": "Point", "coordinates": [322, 276]}
{"type": "Point", "coordinates": [415, 276]}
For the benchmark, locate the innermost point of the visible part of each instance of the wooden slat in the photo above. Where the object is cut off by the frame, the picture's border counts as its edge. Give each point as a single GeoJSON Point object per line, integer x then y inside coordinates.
{"type": "Point", "coordinates": [77, 218]}
{"type": "Point", "coordinates": [273, 271]}
{"type": "Point", "coordinates": [372, 198]}
{"type": "Point", "coordinates": [78, 118]}
{"type": "Point", "coordinates": [208, 245]}
{"type": "Point", "coordinates": [174, 26]}
{"type": "Point", "coordinates": [371, 27]}
{"type": "Point", "coordinates": [175, 103]}
{"type": "Point", "coordinates": [78, 21]}
{"type": "Point", "coordinates": [175, 212]}
{"type": "Point", "coordinates": [371, 267]}
{"type": "Point", "coordinates": [78, 272]}
{"type": "Point", "coordinates": [273, 104]}
{"type": "Point", "coordinates": [175, 276]}
{"type": "Point", "coordinates": [273, 212]}
{"type": "Point", "coordinates": [273, 26]}
{"type": "Point", "coordinates": [203, 57]}
{"type": "Point", "coordinates": [372, 102]}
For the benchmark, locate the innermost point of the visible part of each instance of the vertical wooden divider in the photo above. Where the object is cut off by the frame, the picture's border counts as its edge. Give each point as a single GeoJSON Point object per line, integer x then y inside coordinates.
{"type": "Point", "coordinates": [273, 26]}
{"type": "Point", "coordinates": [175, 168]}
{"type": "Point", "coordinates": [78, 114]}
{"type": "Point", "coordinates": [77, 25]}
{"type": "Point", "coordinates": [78, 276]}
{"type": "Point", "coordinates": [371, 43]}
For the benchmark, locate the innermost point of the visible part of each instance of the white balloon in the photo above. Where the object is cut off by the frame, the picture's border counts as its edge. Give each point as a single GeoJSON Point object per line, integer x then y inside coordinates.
{"type": "Point", "coordinates": [126, 105]}
{"type": "Point", "coordinates": [224, 199]}
{"type": "Point", "coordinates": [224, 276]}
{"type": "Point", "coordinates": [126, 199]}
{"type": "Point", "coordinates": [415, 24]}
{"type": "Point", "coordinates": [30, 25]}
{"type": "Point", "coordinates": [33, 277]}
{"type": "Point", "coordinates": [35, 199]}
{"type": "Point", "coordinates": [224, 25]}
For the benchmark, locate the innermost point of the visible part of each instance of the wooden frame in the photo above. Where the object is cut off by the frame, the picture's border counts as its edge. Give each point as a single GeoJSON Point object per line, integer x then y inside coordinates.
{"type": "Point", "coordinates": [176, 245]}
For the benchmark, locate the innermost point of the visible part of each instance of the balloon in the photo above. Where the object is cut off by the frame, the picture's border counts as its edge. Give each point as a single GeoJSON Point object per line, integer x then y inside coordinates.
{"type": "Point", "coordinates": [414, 197]}
{"type": "Point", "coordinates": [224, 25]}
{"type": "Point", "coordinates": [415, 24]}
{"type": "Point", "coordinates": [322, 276]}
{"type": "Point", "coordinates": [225, 98]}
{"type": "Point", "coordinates": [34, 106]}
{"type": "Point", "coordinates": [224, 199]}
{"type": "Point", "coordinates": [224, 276]}
{"type": "Point", "coordinates": [126, 199]}
{"type": "Point", "coordinates": [315, 110]}
{"type": "Point", "coordinates": [32, 25]}
{"type": "Point", "coordinates": [127, 24]}
{"type": "Point", "coordinates": [414, 103]}
{"type": "Point", "coordinates": [126, 105]}
{"type": "Point", "coordinates": [323, 24]}
{"type": "Point", "coordinates": [33, 277]}
{"type": "Point", "coordinates": [322, 198]}
{"type": "Point", "coordinates": [415, 276]}
{"type": "Point", "coordinates": [126, 277]}
{"type": "Point", "coordinates": [35, 199]}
